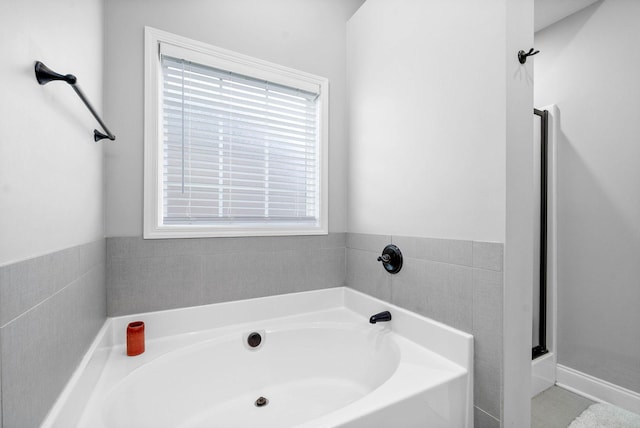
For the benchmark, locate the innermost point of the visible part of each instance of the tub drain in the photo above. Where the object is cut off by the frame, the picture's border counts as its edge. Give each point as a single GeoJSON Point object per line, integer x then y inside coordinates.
{"type": "Point", "coordinates": [261, 402]}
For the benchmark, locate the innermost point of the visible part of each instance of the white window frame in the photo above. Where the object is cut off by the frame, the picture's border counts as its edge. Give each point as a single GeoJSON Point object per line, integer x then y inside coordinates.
{"type": "Point", "coordinates": [206, 54]}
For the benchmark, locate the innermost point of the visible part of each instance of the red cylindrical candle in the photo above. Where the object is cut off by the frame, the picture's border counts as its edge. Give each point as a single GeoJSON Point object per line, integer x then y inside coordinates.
{"type": "Point", "coordinates": [135, 338]}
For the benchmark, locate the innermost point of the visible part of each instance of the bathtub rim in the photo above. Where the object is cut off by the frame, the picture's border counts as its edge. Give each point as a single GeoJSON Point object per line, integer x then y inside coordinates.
{"type": "Point", "coordinates": [448, 342]}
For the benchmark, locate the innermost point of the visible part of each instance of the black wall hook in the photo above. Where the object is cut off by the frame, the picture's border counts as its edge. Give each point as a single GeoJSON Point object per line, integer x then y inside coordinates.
{"type": "Point", "coordinates": [45, 75]}
{"type": "Point", "coordinates": [522, 55]}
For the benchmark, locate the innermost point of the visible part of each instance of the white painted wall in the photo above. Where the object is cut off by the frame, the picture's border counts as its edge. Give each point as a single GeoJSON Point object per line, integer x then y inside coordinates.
{"type": "Point", "coordinates": [306, 35]}
{"type": "Point", "coordinates": [427, 119]}
{"type": "Point", "coordinates": [51, 175]}
{"type": "Point", "coordinates": [548, 12]}
{"type": "Point", "coordinates": [589, 66]}
{"type": "Point", "coordinates": [518, 246]}
{"type": "Point", "coordinates": [441, 142]}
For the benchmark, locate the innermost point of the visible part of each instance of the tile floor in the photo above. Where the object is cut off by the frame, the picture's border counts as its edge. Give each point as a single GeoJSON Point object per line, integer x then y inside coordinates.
{"type": "Point", "coordinates": [556, 408]}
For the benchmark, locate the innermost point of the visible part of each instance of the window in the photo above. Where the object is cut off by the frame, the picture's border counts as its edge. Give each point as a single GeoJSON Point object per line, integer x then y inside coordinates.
{"type": "Point", "coordinates": [234, 146]}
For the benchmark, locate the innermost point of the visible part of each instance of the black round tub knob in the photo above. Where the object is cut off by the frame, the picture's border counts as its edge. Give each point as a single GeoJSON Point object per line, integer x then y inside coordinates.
{"type": "Point", "coordinates": [391, 259]}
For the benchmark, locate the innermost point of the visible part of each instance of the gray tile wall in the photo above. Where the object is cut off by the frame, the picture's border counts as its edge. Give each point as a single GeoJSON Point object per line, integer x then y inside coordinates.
{"type": "Point", "coordinates": [456, 282]}
{"type": "Point", "coordinates": [150, 275]}
{"type": "Point", "coordinates": [51, 308]}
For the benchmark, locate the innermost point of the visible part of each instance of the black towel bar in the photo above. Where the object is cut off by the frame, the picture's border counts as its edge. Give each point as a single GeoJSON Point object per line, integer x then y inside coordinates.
{"type": "Point", "coordinates": [45, 75]}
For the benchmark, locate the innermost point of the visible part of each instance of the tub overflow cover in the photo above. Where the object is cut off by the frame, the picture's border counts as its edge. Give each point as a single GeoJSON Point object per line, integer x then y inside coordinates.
{"type": "Point", "coordinates": [254, 339]}
{"type": "Point", "coordinates": [261, 402]}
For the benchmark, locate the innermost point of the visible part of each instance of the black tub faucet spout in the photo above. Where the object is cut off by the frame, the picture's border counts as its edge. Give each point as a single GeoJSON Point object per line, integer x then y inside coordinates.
{"type": "Point", "coordinates": [380, 317]}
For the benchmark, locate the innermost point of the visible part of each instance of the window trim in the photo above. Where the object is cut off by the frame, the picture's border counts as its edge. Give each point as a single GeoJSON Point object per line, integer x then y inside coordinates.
{"type": "Point", "coordinates": [155, 40]}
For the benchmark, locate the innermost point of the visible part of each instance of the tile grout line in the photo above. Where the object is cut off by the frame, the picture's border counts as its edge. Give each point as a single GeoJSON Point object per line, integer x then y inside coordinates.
{"type": "Point", "coordinates": [428, 260]}
{"type": "Point", "coordinates": [488, 414]}
{"type": "Point", "coordinates": [51, 296]}
{"type": "Point", "coordinates": [232, 252]}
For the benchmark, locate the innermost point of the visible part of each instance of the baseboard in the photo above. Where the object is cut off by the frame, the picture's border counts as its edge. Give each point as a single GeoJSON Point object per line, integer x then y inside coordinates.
{"type": "Point", "coordinates": [543, 373]}
{"type": "Point", "coordinates": [597, 389]}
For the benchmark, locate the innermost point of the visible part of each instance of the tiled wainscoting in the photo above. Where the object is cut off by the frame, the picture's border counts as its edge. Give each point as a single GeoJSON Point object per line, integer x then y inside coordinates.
{"type": "Point", "coordinates": [456, 282]}
{"type": "Point", "coordinates": [51, 308]}
{"type": "Point", "coordinates": [150, 275]}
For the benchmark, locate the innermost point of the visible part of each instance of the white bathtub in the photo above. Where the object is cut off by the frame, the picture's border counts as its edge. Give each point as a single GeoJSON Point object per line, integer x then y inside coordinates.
{"type": "Point", "coordinates": [321, 364]}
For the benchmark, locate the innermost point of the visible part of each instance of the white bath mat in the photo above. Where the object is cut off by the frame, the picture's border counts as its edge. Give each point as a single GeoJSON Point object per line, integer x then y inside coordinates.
{"type": "Point", "coordinates": [601, 415]}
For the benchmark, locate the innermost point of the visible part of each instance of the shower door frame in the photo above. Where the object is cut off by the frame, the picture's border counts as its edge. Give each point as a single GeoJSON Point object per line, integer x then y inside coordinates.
{"type": "Point", "coordinates": [541, 349]}
{"type": "Point", "coordinates": [543, 368]}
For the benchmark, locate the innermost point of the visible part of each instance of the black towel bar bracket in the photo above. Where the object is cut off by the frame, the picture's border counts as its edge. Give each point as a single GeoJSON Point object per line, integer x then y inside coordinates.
{"type": "Point", "coordinates": [45, 75]}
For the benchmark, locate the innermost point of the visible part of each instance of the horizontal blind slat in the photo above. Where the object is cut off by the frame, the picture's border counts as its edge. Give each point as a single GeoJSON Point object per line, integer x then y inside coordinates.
{"type": "Point", "coordinates": [204, 72]}
{"type": "Point", "coordinates": [248, 152]}
{"type": "Point", "coordinates": [217, 114]}
{"type": "Point", "coordinates": [175, 135]}
{"type": "Point", "coordinates": [252, 98]}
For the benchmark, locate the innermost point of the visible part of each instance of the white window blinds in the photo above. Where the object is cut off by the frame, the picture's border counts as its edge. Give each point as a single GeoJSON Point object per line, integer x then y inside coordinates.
{"type": "Point", "coordinates": [236, 149]}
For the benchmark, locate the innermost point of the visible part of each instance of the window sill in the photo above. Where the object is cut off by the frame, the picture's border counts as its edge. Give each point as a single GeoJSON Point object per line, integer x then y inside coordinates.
{"type": "Point", "coordinates": [169, 232]}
